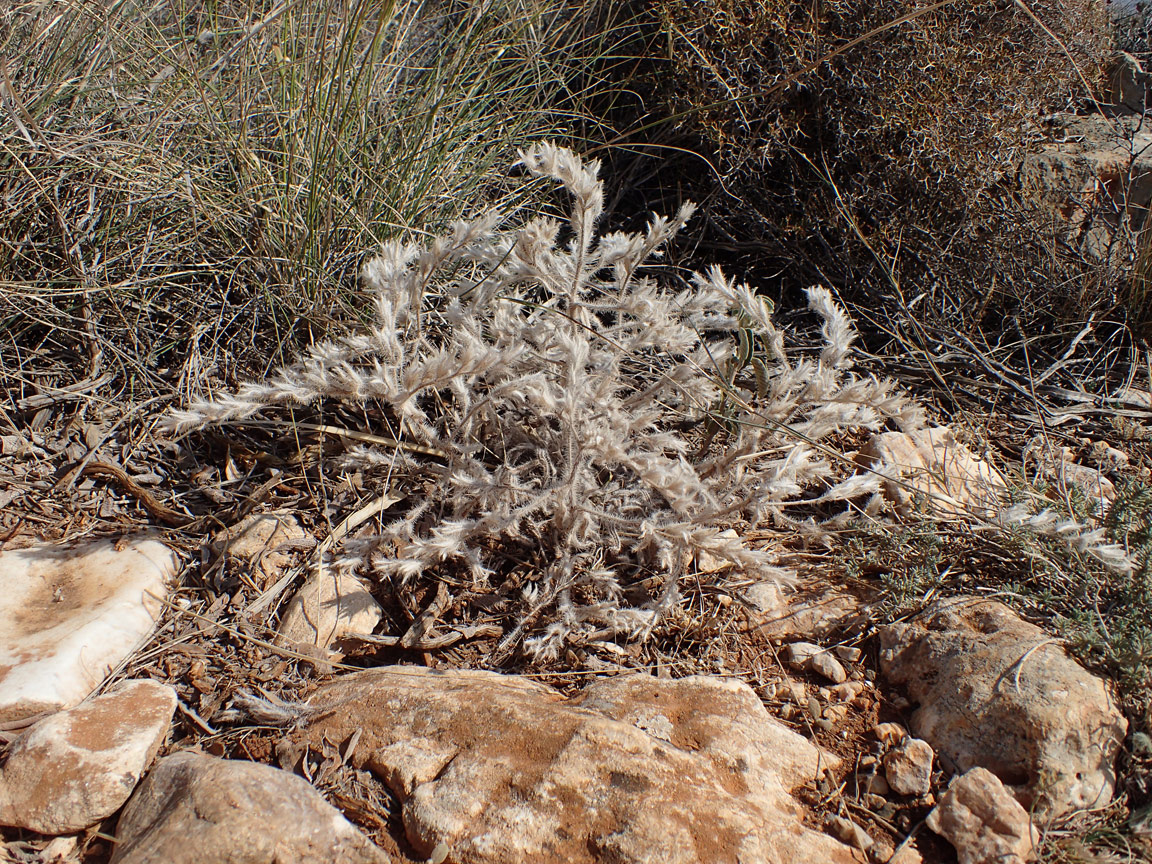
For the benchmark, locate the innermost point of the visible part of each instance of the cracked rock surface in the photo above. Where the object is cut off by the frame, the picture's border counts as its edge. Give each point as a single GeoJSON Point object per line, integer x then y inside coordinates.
{"type": "Point", "coordinates": [633, 769]}
{"type": "Point", "coordinates": [996, 692]}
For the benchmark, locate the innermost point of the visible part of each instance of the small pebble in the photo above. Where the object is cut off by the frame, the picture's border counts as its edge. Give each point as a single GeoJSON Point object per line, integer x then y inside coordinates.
{"type": "Point", "coordinates": [796, 691]}
{"type": "Point", "coordinates": [814, 709]}
{"type": "Point", "coordinates": [847, 831]}
{"type": "Point", "coordinates": [848, 653]}
{"type": "Point", "coordinates": [799, 653]}
{"type": "Point", "coordinates": [873, 784]}
{"type": "Point", "coordinates": [889, 734]}
{"type": "Point", "coordinates": [881, 851]}
{"type": "Point", "coordinates": [836, 713]}
{"type": "Point", "coordinates": [908, 767]}
{"type": "Point", "coordinates": [828, 666]}
{"type": "Point", "coordinates": [847, 691]}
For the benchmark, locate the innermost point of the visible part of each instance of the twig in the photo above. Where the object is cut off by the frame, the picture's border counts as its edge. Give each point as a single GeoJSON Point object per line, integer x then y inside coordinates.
{"type": "Point", "coordinates": [63, 394]}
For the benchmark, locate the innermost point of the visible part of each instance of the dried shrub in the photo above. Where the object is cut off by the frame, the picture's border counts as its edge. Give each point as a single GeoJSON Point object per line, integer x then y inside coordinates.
{"type": "Point", "coordinates": [882, 155]}
{"type": "Point", "coordinates": [530, 391]}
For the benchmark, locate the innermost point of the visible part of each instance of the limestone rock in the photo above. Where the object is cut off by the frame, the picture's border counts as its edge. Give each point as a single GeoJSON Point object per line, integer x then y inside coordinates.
{"type": "Point", "coordinates": [905, 855]}
{"type": "Point", "coordinates": [828, 666]}
{"type": "Point", "coordinates": [329, 605]}
{"type": "Point", "coordinates": [847, 691]}
{"type": "Point", "coordinates": [1057, 466]}
{"type": "Point", "coordinates": [79, 766]}
{"type": "Point", "coordinates": [908, 767]}
{"type": "Point", "coordinates": [932, 463]}
{"type": "Point", "coordinates": [258, 542]}
{"type": "Point", "coordinates": [70, 614]}
{"type": "Point", "coordinates": [59, 850]}
{"type": "Point", "coordinates": [196, 809]}
{"type": "Point", "coordinates": [706, 562]}
{"type": "Point", "coordinates": [634, 769]}
{"type": "Point", "coordinates": [848, 653]}
{"type": "Point", "coordinates": [983, 821]}
{"type": "Point", "coordinates": [889, 734]}
{"type": "Point", "coordinates": [811, 612]}
{"type": "Point", "coordinates": [847, 831]}
{"type": "Point", "coordinates": [798, 654]}
{"type": "Point", "coordinates": [1093, 173]}
{"type": "Point", "coordinates": [813, 658]}
{"type": "Point", "coordinates": [1090, 482]}
{"type": "Point", "coordinates": [995, 692]}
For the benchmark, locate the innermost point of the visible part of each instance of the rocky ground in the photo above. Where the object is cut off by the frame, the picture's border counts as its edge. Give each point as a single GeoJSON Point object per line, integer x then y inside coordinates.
{"type": "Point", "coordinates": [168, 699]}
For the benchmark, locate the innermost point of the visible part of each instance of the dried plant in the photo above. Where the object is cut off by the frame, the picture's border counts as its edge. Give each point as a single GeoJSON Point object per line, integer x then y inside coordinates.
{"type": "Point", "coordinates": [877, 143]}
{"type": "Point", "coordinates": [537, 393]}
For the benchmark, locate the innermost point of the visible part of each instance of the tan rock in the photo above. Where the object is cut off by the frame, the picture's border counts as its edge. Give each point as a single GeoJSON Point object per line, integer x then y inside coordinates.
{"type": "Point", "coordinates": [79, 766]}
{"type": "Point", "coordinates": [889, 734]}
{"type": "Point", "coordinates": [908, 767]}
{"type": "Point", "coordinates": [983, 821]}
{"type": "Point", "coordinates": [634, 769]}
{"type": "Point", "coordinates": [331, 604]}
{"type": "Point", "coordinates": [828, 666]}
{"type": "Point", "coordinates": [812, 611]}
{"type": "Point", "coordinates": [1089, 482]}
{"type": "Point", "coordinates": [996, 692]}
{"type": "Point", "coordinates": [847, 831]}
{"type": "Point", "coordinates": [1094, 172]}
{"type": "Point", "coordinates": [849, 653]}
{"type": "Point", "coordinates": [812, 658]}
{"type": "Point", "coordinates": [262, 544]}
{"type": "Point", "coordinates": [931, 463]}
{"type": "Point", "coordinates": [795, 690]}
{"type": "Point", "coordinates": [706, 562]}
{"type": "Point", "coordinates": [70, 614]}
{"type": "Point", "coordinates": [874, 784]}
{"type": "Point", "coordinates": [1056, 466]}
{"type": "Point", "coordinates": [196, 809]}
{"type": "Point", "coordinates": [847, 691]}
{"type": "Point", "coordinates": [906, 855]}
{"type": "Point", "coordinates": [59, 850]}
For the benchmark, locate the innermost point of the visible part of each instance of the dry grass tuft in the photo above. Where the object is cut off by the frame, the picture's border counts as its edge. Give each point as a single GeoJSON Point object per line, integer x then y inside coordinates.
{"type": "Point", "coordinates": [189, 187]}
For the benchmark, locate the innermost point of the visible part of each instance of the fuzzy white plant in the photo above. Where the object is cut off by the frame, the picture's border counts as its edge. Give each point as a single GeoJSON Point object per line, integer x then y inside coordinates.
{"type": "Point", "coordinates": [1076, 536]}
{"type": "Point", "coordinates": [540, 386]}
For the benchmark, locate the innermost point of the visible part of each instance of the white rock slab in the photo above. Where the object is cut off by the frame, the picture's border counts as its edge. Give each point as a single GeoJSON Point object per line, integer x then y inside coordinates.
{"type": "Point", "coordinates": [71, 614]}
{"type": "Point", "coordinates": [79, 766]}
